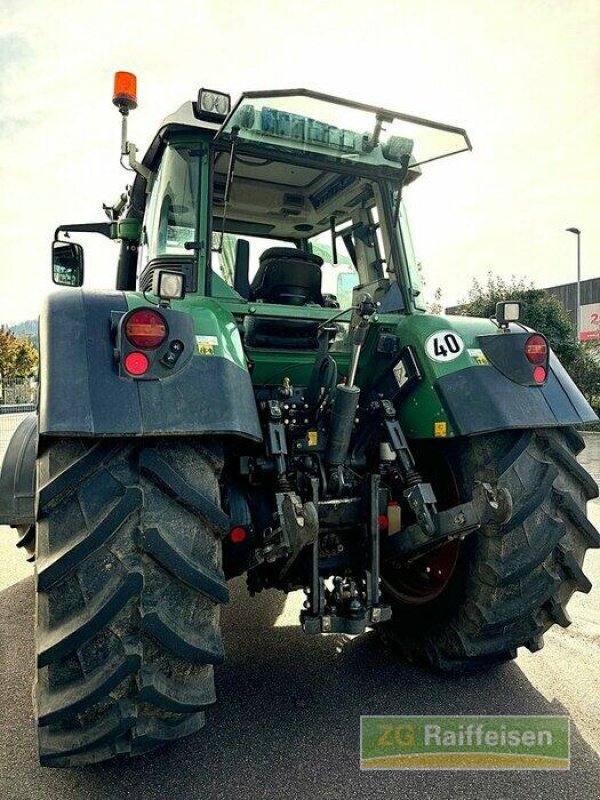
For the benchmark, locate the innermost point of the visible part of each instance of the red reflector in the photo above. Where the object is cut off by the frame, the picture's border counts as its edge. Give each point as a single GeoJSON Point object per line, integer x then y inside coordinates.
{"type": "Point", "coordinates": [383, 522]}
{"type": "Point", "coordinates": [539, 374]}
{"type": "Point", "coordinates": [136, 363]}
{"type": "Point", "coordinates": [536, 349]}
{"type": "Point", "coordinates": [146, 328]}
{"type": "Point", "coordinates": [238, 535]}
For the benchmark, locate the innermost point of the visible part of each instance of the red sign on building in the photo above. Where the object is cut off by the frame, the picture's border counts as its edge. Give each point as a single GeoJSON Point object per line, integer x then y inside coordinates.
{"type": "Point", "coordinates": [590, 322]}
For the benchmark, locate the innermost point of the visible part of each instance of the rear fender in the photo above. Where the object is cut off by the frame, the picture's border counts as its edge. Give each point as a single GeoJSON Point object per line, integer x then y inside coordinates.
{"type": "Point", "coordinates": [18, 476]}
{"type": "Point", "coordinates": [472, 391]}
{"type": "Point", "coordinates": [85, 392]}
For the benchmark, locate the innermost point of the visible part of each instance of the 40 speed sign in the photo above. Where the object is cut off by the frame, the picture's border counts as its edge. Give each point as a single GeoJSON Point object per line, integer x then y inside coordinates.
{"type": "Point", "coordinates": [444, 346]}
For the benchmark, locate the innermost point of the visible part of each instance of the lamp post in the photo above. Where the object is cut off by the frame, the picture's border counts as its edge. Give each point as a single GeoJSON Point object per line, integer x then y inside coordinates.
{"type": "Point", "coordinates": [577, 233]}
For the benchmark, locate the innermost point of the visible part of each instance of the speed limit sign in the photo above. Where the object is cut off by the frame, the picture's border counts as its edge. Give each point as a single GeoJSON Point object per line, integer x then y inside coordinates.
{"type": "Point", "coordinates": [444, 346]}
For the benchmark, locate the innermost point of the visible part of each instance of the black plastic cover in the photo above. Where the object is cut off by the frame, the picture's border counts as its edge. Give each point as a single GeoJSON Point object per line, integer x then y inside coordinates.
{"type": "Point", "coordinates": [17, 476]}
{"type": "Point", "coordinates": [507, 353]}
{"type": "Point", "coordinates": [81, 392]}
{"type": "Point", "coordinates": [481, 399]}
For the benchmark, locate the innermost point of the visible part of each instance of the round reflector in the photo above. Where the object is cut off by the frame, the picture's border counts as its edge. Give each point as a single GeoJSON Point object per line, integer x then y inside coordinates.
{"type": "Point", "coordinates": [146, 329]}
{"type": "Point", "coordinates": [536, 349]}
{"type": "Point", "coordinates": [238, 535]}
{"type": "Point", "coordinates": [136, 363]}
{"type": "Point", "coordinates": [539, 374]}
{"type": "Point", "coordinates": [383, 522]}
{"type": "Point", "coordinates": [125, 91]}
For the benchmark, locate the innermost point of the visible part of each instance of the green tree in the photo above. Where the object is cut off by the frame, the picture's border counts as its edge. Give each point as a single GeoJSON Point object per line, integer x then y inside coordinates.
{"type": "Point", "coordinates": [8, 353]}
{"type": "Point", "coordinates": [26, 358]}
{"type": "Point", "coordinates": [543, 313]}
{"type": "Point", "coordinates": [18, 357]}
{"type": "Point", "coordinates": [436, 306]}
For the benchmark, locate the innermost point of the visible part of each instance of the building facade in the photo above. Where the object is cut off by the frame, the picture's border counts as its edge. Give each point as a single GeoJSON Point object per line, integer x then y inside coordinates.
{"type": "Point", "coordinates": [590, 305]}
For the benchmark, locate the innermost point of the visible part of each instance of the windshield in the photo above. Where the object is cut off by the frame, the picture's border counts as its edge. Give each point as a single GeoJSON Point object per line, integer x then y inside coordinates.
{"type": "Point", "coordinates": [335, 128]}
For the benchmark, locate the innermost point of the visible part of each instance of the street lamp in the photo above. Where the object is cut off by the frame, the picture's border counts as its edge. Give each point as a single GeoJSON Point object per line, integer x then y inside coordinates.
{"type": "Point", "coordinates": [577, 233]}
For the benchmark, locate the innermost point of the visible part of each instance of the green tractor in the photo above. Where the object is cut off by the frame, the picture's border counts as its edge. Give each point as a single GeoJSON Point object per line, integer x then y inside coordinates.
{"type": "Point", "coordinates": [264, 394]}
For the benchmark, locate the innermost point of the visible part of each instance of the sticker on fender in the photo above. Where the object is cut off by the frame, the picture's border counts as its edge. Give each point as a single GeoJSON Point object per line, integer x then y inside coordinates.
{"type": "Point", "coordinates": [206, 345]}
{"type": "Point", "coordinates": [444, 346]}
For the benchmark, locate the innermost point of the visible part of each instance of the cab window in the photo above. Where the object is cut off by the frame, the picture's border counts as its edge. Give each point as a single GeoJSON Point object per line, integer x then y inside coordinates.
{"type": "Point", "coordinates": [414, 268]}
{"type": "Point", "coordinates": [223, 257]}
{"type": "Point", "coordinates": [170, 219]}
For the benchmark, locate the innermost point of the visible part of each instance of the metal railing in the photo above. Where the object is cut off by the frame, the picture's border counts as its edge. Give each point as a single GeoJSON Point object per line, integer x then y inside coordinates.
{"type": "Point", "coordinates": [17, 399]}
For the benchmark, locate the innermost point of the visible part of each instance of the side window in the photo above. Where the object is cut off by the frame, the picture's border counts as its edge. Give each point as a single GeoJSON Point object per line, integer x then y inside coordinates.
{"type": "Point", "coordinates": [170, 219]}
{"type": "Point", "coordinates": [337, 279]}
{"type": "Point", "coordinates": [414, 269]}
{"type": "Point", "coordinates": [222, 260]}
{"type": "Point", "coordinates": [380, 241]}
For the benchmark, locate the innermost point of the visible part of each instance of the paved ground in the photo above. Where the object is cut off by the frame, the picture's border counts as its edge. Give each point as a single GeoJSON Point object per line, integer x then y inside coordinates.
{"type": "Point", "coordinates": [286, 725]}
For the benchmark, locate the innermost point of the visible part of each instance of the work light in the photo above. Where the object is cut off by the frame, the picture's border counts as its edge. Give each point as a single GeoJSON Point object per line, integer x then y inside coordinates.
{"type": "Point", "coordinates": [168, 285]}
{"type": "Point", "coordinates": [508, 311]}
{"type": "Point", "coordinates": [210, 102]}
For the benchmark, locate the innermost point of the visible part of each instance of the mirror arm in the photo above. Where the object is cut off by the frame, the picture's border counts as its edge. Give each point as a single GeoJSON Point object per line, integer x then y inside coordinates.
{"type": "Point", "coordinates": [105, 228]}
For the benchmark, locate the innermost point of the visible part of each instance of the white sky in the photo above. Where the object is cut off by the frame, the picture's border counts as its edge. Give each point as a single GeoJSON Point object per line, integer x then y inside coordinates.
{"type": "Point", "coordinates": [522, 76]}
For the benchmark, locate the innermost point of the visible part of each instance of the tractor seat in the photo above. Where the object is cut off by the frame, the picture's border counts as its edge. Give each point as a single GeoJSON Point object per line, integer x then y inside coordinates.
{"type": "Point", "coordinates": [292, 277]}
{"type": "Point", "coordinates": [288, 275]}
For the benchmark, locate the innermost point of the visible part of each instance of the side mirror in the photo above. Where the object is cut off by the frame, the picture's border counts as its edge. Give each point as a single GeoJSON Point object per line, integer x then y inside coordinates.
{"type": "Point", "coordinates": [67, 263]}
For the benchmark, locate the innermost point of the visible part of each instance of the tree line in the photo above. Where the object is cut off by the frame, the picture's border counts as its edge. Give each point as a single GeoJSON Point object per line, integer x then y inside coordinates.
{"type": "Point", "coordinates": [18, 356]}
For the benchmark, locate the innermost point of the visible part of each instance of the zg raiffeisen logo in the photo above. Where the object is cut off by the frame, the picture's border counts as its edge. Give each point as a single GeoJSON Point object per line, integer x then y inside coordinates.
{"type": "Point", "coordinates": [482, 742]}
{"type": "Point", "coordinates": [402, 735]}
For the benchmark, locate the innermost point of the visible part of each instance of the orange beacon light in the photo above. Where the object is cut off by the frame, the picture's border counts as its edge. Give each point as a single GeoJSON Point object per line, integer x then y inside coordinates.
{"type": "Point", "coordinates": [125, 90]}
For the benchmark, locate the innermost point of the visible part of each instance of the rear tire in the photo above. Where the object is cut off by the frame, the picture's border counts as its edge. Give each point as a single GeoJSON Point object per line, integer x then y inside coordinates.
{"type": "Point", "coordinates": [510, 586]}
{"type": "Point", "coordinates": [129, 583]}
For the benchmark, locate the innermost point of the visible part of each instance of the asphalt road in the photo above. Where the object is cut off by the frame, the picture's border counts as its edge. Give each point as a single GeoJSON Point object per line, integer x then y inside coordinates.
{"type": "Point", "coordinates": [286, 724]}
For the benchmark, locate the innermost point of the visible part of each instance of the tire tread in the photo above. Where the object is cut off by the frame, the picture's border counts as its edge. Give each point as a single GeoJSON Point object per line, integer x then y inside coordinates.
{"type": "Point", "coordinates": [116, 655]}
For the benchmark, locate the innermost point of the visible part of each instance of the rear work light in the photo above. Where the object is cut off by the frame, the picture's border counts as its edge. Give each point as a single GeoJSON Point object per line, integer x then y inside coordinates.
{"type": "Point", "coordinates": [536, 349]}
{"type": "Point", "coordinates": [146, 329]}
{"type": "Point", "coordinates": [211, 102]}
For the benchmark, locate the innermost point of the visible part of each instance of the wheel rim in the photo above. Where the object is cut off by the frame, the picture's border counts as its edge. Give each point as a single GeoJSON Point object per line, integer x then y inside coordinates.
{"type": "Point", "coordinates": [422, 579]}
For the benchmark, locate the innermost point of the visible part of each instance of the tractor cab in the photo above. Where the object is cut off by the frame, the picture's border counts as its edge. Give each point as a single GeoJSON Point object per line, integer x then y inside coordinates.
{"type": "Point", "coordinates": [283, 208]}
{"type": "Point", "coordinates": [299, 195]}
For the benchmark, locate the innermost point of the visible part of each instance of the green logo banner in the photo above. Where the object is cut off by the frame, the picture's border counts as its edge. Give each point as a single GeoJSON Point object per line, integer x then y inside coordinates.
{"type": "Point", "coordinates": [464, 742]}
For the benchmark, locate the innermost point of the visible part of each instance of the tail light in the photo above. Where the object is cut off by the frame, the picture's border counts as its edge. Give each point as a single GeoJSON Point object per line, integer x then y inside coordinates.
{"type": "Point", "coordinates": [536, 349]}
{"type": "Point", "coordinates": [536, 352]}
{"type": "Point", "coordinates": [136, 363]}
{"type": "Point", "coordinates": [146, 329]}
